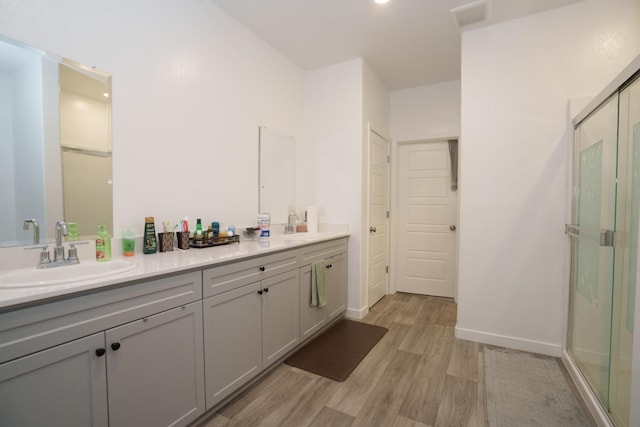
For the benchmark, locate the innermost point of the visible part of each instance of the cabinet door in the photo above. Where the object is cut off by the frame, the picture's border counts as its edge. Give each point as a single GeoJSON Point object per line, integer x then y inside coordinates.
{"type": "Point", "coordinates": [336, 280]}
{"type": "Point", "coordinates": [312, 319]}
{"type": "Point", "coordinates": [280, 316]}
{"type": "Point", "coordinates": [232, 341]}
{"type": "Point", "coordinates": [156, 369]}
{"type": "Point", "coordinates": [62, 386]}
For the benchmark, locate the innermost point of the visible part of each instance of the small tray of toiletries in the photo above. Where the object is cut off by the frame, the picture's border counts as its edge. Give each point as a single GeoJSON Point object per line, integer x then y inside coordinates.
{"type": "Point", "coordinates": [213, 241]}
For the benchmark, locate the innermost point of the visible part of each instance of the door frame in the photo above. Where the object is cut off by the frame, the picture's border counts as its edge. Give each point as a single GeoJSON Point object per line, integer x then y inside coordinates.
{"type": "Point", "coordinates": [366, 210]}
{"type": "Point", "coordinates": [395, 206]}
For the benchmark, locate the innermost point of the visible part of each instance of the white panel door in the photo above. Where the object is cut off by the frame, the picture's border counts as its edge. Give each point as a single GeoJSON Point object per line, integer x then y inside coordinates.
{"type": "Point", "coordinates": [426, 220]}
{"type": "Point", "coordinates": [378, 221]}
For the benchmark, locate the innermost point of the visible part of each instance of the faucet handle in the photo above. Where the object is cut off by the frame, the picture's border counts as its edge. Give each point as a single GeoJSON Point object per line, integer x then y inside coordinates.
{"type": "Point", "coordinates": [73, 252]}
{"type": "Point", "coordinates": [44, 254]}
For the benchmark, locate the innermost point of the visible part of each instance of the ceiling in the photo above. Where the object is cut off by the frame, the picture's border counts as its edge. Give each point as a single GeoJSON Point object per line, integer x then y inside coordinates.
{"type": "Point", "coordinates": [408, 43]}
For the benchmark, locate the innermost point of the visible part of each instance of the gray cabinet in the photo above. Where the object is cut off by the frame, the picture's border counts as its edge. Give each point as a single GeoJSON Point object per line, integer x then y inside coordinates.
{"type": "Point", "coordinates": [156, 370]}
{"type": "Point", "coordinates": [152, 359]}
{"type": "Point", "coordinates": [280, 316]}
{"type": "Point", "coordinates": [334, 255]}
{"type": "Point", "coordinates": [248, 327]}
{"type": "Point", "coordinates": [155, 352]}
{"type": "Point", "coordinates": [232, 340]}
{"type": "Point", "coordinates": [336, 279]}
{"type": "Point", "coordinates": [62, 386]}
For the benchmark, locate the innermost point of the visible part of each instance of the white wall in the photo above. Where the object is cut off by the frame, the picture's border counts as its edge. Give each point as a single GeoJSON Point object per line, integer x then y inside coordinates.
{"type": "Point", "coordinates": [333, 157]}
{"type": "Point", "coordinates": [517, 80]}
{"type": "Point", "coordinates": [426, 112]}
{"type": "Point", "coordinates": [190, 88]}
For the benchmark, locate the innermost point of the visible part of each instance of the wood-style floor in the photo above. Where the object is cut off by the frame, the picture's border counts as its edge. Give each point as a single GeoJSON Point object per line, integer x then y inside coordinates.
{"type": "Point", "coordinates": [417, 375]}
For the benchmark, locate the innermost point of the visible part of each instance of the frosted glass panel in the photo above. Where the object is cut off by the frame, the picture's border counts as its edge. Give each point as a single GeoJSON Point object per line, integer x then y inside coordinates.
{"type": "Point", "coordinates": [590, 190]}
{"type": "Point", "coordinates": [592, 263]}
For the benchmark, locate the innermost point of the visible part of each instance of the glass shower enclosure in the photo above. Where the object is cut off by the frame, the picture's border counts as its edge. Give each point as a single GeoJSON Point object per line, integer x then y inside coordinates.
{"type": "Point", "coordinates": [604, 248]}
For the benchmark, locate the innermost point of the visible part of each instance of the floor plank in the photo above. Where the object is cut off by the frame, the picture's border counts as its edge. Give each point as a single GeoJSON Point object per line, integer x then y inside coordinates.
{"type": "Point", "coordinates": [418, 375]}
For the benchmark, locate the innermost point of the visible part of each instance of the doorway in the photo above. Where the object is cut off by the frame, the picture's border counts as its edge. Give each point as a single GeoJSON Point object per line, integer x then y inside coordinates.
{"type": "Point", "coordinates": [378, 218]}
{"type": "Point", "coordinates": [427, 216]}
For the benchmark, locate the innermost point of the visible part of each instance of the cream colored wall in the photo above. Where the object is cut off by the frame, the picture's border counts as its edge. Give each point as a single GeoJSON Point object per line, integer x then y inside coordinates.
{"type": "Point", "coordinates": [516, 136]}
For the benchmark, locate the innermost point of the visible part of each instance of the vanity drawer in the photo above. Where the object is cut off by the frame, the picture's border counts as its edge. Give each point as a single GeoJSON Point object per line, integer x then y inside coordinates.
{"type": "Point", "coordinates": [231, 276]}
{"type": "Point", "coordinates": [312, 253]}
{"type": "Point", "coordinates": [36, 328]}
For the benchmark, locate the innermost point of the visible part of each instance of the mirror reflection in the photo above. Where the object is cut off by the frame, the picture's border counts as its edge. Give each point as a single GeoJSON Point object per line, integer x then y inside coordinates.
{"type": "Point", "coordinates": [55, 140]}
{"type": "Point", "coordinates": [277, 177]}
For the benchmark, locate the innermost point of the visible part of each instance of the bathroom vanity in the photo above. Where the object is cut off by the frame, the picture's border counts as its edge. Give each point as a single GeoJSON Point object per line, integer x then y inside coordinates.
{"type": "Point", "coordinates": [165, 342]}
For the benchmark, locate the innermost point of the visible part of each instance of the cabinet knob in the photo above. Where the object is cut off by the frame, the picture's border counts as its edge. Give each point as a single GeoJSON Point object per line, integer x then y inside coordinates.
{"type": "Point", "coordinates": [262, 268]}
{"type": "Point", "coordinates": [115, 346]}
{"type": "Point", "coordinates": [100, 352]}
{"type": "Point", "coordinates": [266, 289]}
{"type": "Point", "coordinates": [260, 292]}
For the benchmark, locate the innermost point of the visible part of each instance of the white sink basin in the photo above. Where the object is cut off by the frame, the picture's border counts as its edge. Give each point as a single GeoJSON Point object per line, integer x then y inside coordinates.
{"type": "Point", "coordinates": [86, 270]}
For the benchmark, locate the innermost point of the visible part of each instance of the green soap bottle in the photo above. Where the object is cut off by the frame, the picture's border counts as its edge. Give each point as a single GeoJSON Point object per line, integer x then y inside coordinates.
{"type": "Point", "coordinates": [103, 244]}
{"type": "Point", "coordinates": [150, 242]}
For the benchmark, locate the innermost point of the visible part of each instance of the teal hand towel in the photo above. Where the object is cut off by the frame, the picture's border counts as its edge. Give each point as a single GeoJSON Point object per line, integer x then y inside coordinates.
{"type": "Point", "coordinates": [318, 285]}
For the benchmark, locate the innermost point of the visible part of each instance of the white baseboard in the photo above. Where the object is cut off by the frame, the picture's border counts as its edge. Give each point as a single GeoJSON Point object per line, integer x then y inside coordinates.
{"type": "Point", "coordinates": [588, 397]}
{"type": "Point", "coordinates": [509, 342]}
{"type": "Point", "coordinates": [352, 313]}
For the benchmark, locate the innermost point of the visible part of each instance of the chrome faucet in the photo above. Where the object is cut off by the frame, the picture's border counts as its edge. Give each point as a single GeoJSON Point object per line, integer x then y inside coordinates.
{"type": "Point", "coordinates": [36, 229]}
{"type": "Point", "coordinates": [58, 250]}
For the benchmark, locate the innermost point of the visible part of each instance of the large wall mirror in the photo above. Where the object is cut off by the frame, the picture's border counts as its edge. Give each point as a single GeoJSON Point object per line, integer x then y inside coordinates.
{"type": "Point", "coordinates": [55, 140]}
{"type": "Point", "coordinates": [277, 174]}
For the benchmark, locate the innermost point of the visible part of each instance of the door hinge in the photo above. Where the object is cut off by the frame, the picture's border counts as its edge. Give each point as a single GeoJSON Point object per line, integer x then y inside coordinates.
{"type": "Point", "coordinates": [387, 214]}
{"type": "Point", "coordinates": [387, 269]}
{"type": "Point", "coordinates": [388, 158]}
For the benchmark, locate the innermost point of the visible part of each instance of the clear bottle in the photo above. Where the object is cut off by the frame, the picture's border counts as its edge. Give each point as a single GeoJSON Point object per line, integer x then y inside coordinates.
{"type": "Point", "coordinates": [150, 243]}
{"type": "Point", "coordinates": [103, 244]}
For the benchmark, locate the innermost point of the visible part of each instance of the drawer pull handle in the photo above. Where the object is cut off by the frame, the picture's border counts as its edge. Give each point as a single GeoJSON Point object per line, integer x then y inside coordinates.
{"type": "Point", "coordinates": [115, 346]}
{"type": "Point", "coordinates": [328, 266]}
{"type": "Point", "coordinates": [100, 352]}
{"type": "Point", "coordinates": [260, 292]}
{"type": "Point", "coordinates": [266, 289]}
{"type": "Point", "coordinates": [262, 268]}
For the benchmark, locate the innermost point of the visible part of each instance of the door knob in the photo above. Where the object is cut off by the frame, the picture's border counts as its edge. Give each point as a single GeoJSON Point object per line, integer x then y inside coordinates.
{"type": "Point", "coordinates": [452, 227]}
{"type": "Point", "coordinates": [372, 229]}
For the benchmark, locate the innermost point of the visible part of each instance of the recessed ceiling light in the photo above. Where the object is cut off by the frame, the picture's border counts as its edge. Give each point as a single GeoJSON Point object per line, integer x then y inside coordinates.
{"type": "Point", "coordinates": [381, 1]}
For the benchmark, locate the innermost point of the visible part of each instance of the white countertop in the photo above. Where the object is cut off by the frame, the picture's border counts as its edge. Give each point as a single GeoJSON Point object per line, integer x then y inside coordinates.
{"type": "Point", "coordinates": [159, 264]}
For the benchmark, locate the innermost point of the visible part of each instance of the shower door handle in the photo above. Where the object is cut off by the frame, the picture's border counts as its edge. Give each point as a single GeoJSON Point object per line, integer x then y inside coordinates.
{"type": "Point", "coordinates": [605, 238]}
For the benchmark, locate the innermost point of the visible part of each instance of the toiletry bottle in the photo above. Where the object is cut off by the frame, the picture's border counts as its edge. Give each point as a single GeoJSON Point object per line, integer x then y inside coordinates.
{"type": "Point", "coordinates": [150, 241]}
{"type": "Point", "coordinates": [103, 244]}
{"type": "Point", "coordinates": [73, 234]}
{"type": "Point", "coordinates": [197, 234]}
{"type": "Point", "coordinates": [264, 222]}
